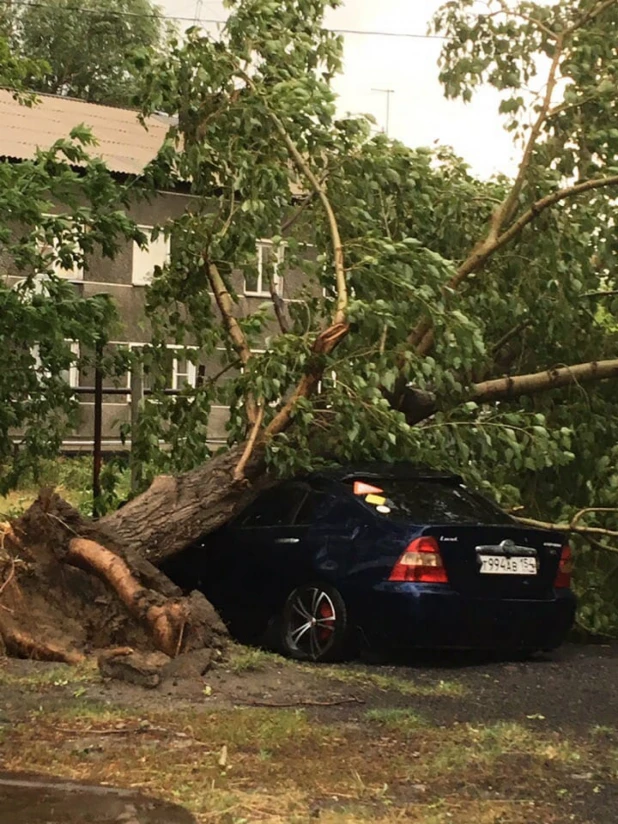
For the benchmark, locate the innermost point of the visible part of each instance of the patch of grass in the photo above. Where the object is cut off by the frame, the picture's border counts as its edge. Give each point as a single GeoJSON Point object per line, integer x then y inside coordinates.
{"type": "Point", "coordinates": [393, 683]}
{"type": "Point", "coordinates": [252, 659]}
{"type": "Point", "coordinates": [397, 719]}
{"type": "Point", "coordinates": [49, 675]}
{"type": "Point", "coordinates": [71, 477]}
{"type": "Point", "coordinates": [481, 748]}
{"type": "Point", "coordinates": [604, 731]}
{"type": "Point", "coordinates": [509, 737]}
{"type": "Point", "coordinates": [262, 729]}
{"type": "Point", "coordinates": [90, 712]}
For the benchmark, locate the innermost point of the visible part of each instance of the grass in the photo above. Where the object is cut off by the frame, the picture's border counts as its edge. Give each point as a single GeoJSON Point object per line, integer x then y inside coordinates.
{"type": "Point", "coordinates": [392, 683]}
{"type": "Point", "coordinates": [71, 477]}
{"type": "Point", "coordinates": [397, 719]}
{"type": "Point", "coordinates": [252, 659]}
{"type": "Point", "coordinates": [46, 676]}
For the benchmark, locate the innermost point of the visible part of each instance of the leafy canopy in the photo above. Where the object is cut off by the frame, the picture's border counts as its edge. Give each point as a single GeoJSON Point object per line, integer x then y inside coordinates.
{"type": "Point", "coordinates": [88, 48]}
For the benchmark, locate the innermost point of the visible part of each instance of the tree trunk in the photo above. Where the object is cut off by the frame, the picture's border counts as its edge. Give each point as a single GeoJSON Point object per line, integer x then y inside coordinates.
{"type": "Point", "coordinates": [175, 511]}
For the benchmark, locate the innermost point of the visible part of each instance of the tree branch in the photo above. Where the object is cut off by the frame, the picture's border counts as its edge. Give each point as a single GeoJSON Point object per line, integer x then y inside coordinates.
{"type": "Point", "coordinates": [307, 201]}
{"type": "Point", "coordinates": [422, 337]}
{"type": "Point", "coordinates": [304, 168]}
{"type": "Point", "coordinates": [512, 333]}
{"type": "Point", "coordinates": [418, 405]}
{"type": "Point", "coordinates": [323, 345]}
{"type": "Point", "coordinates": [239, 472]}
{"type": "Point", "coordinates": [577, 530]}
{"type": "Point", "coordinates": [546, 202]}
{"type": "Point", "coordinates": [592, 14]}
{"type": "Point", "coordinates": [239, 341]}
{"type": "Point", "coordinates": [278, 305]}
{"type": "Point", "coordinates": [607, 294]}
{"type": "Point", "coordinates": [512, 387]}
{"type": "Point", "coordinates": [579, 515]}
{"type": "Point", "coordinates": [342, 288]}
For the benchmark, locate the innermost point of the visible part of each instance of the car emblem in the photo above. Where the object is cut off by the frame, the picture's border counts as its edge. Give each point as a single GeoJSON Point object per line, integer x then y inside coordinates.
{"type": "Point", "coordinates": [508, 546]}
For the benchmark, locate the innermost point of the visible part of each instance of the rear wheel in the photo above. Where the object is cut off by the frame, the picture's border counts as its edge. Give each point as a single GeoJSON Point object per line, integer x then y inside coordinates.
{"type": "Point", "coordinates": [314, 624]}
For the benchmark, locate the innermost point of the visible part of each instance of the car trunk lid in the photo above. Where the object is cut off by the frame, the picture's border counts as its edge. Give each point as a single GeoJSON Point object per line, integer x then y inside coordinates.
{"type": "Point", "coordinates": [477, 559]}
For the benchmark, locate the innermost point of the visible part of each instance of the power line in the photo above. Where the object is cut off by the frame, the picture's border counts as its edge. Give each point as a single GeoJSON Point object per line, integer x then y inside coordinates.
{"type": "Point", "coordinates": [360, 32]}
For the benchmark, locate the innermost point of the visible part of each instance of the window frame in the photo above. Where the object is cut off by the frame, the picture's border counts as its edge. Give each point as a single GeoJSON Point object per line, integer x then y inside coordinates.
{"type": "Point", "coordinates": [144, 279]}
{"type": "Point", "coordinates": [260, 291]}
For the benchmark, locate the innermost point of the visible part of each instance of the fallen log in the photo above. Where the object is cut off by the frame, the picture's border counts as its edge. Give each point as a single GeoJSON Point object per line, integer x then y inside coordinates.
{"type": "Point", "coordinates": [175, 511]}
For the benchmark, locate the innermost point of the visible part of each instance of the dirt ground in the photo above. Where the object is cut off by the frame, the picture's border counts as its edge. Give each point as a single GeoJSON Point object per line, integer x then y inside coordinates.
{"type": "Point", "coordinates": [446, 738]}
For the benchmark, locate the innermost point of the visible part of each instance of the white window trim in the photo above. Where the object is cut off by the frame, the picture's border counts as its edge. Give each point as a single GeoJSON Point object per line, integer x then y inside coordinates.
{"type": "Point", "coordinates": [262, 292]}
{"type": "Point", "coordinates": [145, 278]}
{"type": "Point", "coordinates": [73, 368]}
{"type": "Point", "coordinates": [333, 377]}
{"type": "Point", "coordinates": [190, 374]}
{"type": "Point", "coordinates": [177, 384]}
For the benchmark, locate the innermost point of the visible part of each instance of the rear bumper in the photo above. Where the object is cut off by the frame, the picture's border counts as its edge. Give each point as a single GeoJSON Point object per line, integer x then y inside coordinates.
{"type": "Point", "coordinates": [435, 616]}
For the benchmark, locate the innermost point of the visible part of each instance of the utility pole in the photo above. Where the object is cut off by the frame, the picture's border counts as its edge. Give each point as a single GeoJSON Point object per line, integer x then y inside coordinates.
{"type": "Point", "coordinates": [388, 93]}
{"type": "Point", "coordinates": [198, 11]}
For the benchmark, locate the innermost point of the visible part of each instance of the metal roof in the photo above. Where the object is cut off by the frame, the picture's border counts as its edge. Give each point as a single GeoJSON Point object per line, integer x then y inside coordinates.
{"type": "Point", "coordinates": [123, 143]}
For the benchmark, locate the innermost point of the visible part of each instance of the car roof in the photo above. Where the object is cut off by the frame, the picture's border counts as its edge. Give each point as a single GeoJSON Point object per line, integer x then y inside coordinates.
{"type": "Point", "coordinates": [380, 470]}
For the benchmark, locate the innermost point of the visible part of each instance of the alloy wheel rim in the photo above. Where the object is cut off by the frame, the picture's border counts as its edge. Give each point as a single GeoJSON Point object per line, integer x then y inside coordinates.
{"type": "Point", "coordinates": [311, 627]}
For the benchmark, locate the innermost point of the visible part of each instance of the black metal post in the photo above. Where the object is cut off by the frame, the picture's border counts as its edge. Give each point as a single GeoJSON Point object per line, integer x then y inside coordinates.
{"type": "Point", "coordinates": [98, 431]}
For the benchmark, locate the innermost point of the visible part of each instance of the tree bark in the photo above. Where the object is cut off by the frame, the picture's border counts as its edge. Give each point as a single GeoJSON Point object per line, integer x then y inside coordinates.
{"type": "Point", "coordinates": [513, 387]}
{"type": "Point", "coordinates": [175, 511]}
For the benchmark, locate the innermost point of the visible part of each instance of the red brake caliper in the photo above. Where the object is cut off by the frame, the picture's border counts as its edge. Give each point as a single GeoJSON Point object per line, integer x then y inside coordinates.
{"type": "Point", "coordinates": [326, 613]}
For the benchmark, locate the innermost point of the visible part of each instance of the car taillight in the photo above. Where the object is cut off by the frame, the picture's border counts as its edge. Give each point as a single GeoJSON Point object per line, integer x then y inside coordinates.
{"type": "Point", "coordinates": [565, 568]}
{"type": "Point", "coordinates": [421, 563]}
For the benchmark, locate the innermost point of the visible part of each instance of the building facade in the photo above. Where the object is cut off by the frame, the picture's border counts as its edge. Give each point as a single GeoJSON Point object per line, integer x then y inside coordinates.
{"type": "Point", "coordinates": [127, 147]}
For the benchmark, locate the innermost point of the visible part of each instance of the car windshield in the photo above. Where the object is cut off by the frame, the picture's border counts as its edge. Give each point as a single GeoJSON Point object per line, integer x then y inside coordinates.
{"type": "Point", "coordinates": [425, 501]}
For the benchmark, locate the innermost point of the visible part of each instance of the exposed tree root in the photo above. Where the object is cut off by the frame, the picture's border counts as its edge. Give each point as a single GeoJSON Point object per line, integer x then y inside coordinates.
{"type": "Point", "coordinates": [21, 644]}
{"type": "Point", "coordinates": [165, 618]}
{"type": "Point", "coordinates": [68, 589]}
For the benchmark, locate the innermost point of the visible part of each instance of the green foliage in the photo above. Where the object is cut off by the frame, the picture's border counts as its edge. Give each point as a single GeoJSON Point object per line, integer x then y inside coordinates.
{"type": "Point", "coordinates": [54, 218]}
{"type": "Point", "coordinates": [87, 49]}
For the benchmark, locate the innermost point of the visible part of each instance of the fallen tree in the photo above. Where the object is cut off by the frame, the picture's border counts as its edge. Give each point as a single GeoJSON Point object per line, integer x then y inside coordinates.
{"type": "Point", "coordinates": [433, 318]}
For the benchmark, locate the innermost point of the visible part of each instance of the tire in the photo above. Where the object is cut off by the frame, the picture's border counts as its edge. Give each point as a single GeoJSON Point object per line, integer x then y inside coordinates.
{"type": "Point", "coordinates": [314, 624]}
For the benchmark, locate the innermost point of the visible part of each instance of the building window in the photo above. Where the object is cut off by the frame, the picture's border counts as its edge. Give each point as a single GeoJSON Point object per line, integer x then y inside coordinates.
{"type": "Point", "coordinates": [71, 375]}
{"type": "Point", "coordinates": [269, 262]}
{"type": "Point", "coordinates": [176, 370]}
{"type": "Point", "coordinates": [184, 372]}
{"type": "Point", "coordinates": [157, 253]}
{"type": "Point", "coordinates": [52, 251]}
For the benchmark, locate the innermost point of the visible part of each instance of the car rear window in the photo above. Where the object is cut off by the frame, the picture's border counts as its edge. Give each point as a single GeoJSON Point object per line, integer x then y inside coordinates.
{"type": "Point", "coordinates": [428, 501]}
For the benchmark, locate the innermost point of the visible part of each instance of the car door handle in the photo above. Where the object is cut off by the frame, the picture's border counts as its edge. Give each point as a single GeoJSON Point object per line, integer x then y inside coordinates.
{"type": "Point", "coordinates": [287, 540]}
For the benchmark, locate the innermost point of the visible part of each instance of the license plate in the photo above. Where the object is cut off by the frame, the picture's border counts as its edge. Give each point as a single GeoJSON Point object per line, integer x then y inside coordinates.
{"type": "Point", "coordinates": [501, 565]}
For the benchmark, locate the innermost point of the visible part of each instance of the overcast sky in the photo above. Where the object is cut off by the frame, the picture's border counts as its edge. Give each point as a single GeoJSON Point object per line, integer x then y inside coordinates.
{"type": "Point", "coordinates": [419, 113]}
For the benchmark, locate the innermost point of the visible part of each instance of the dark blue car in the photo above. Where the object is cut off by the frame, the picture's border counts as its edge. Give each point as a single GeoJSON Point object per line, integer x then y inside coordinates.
{"type": "Point", "coordinates": [385, 555]}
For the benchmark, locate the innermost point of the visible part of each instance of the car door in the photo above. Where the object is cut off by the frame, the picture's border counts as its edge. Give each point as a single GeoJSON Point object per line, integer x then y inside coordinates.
{"type": "Point", "coordinates": [267, 540]}
{"type": "Point", "coordinates": [292, 553]}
